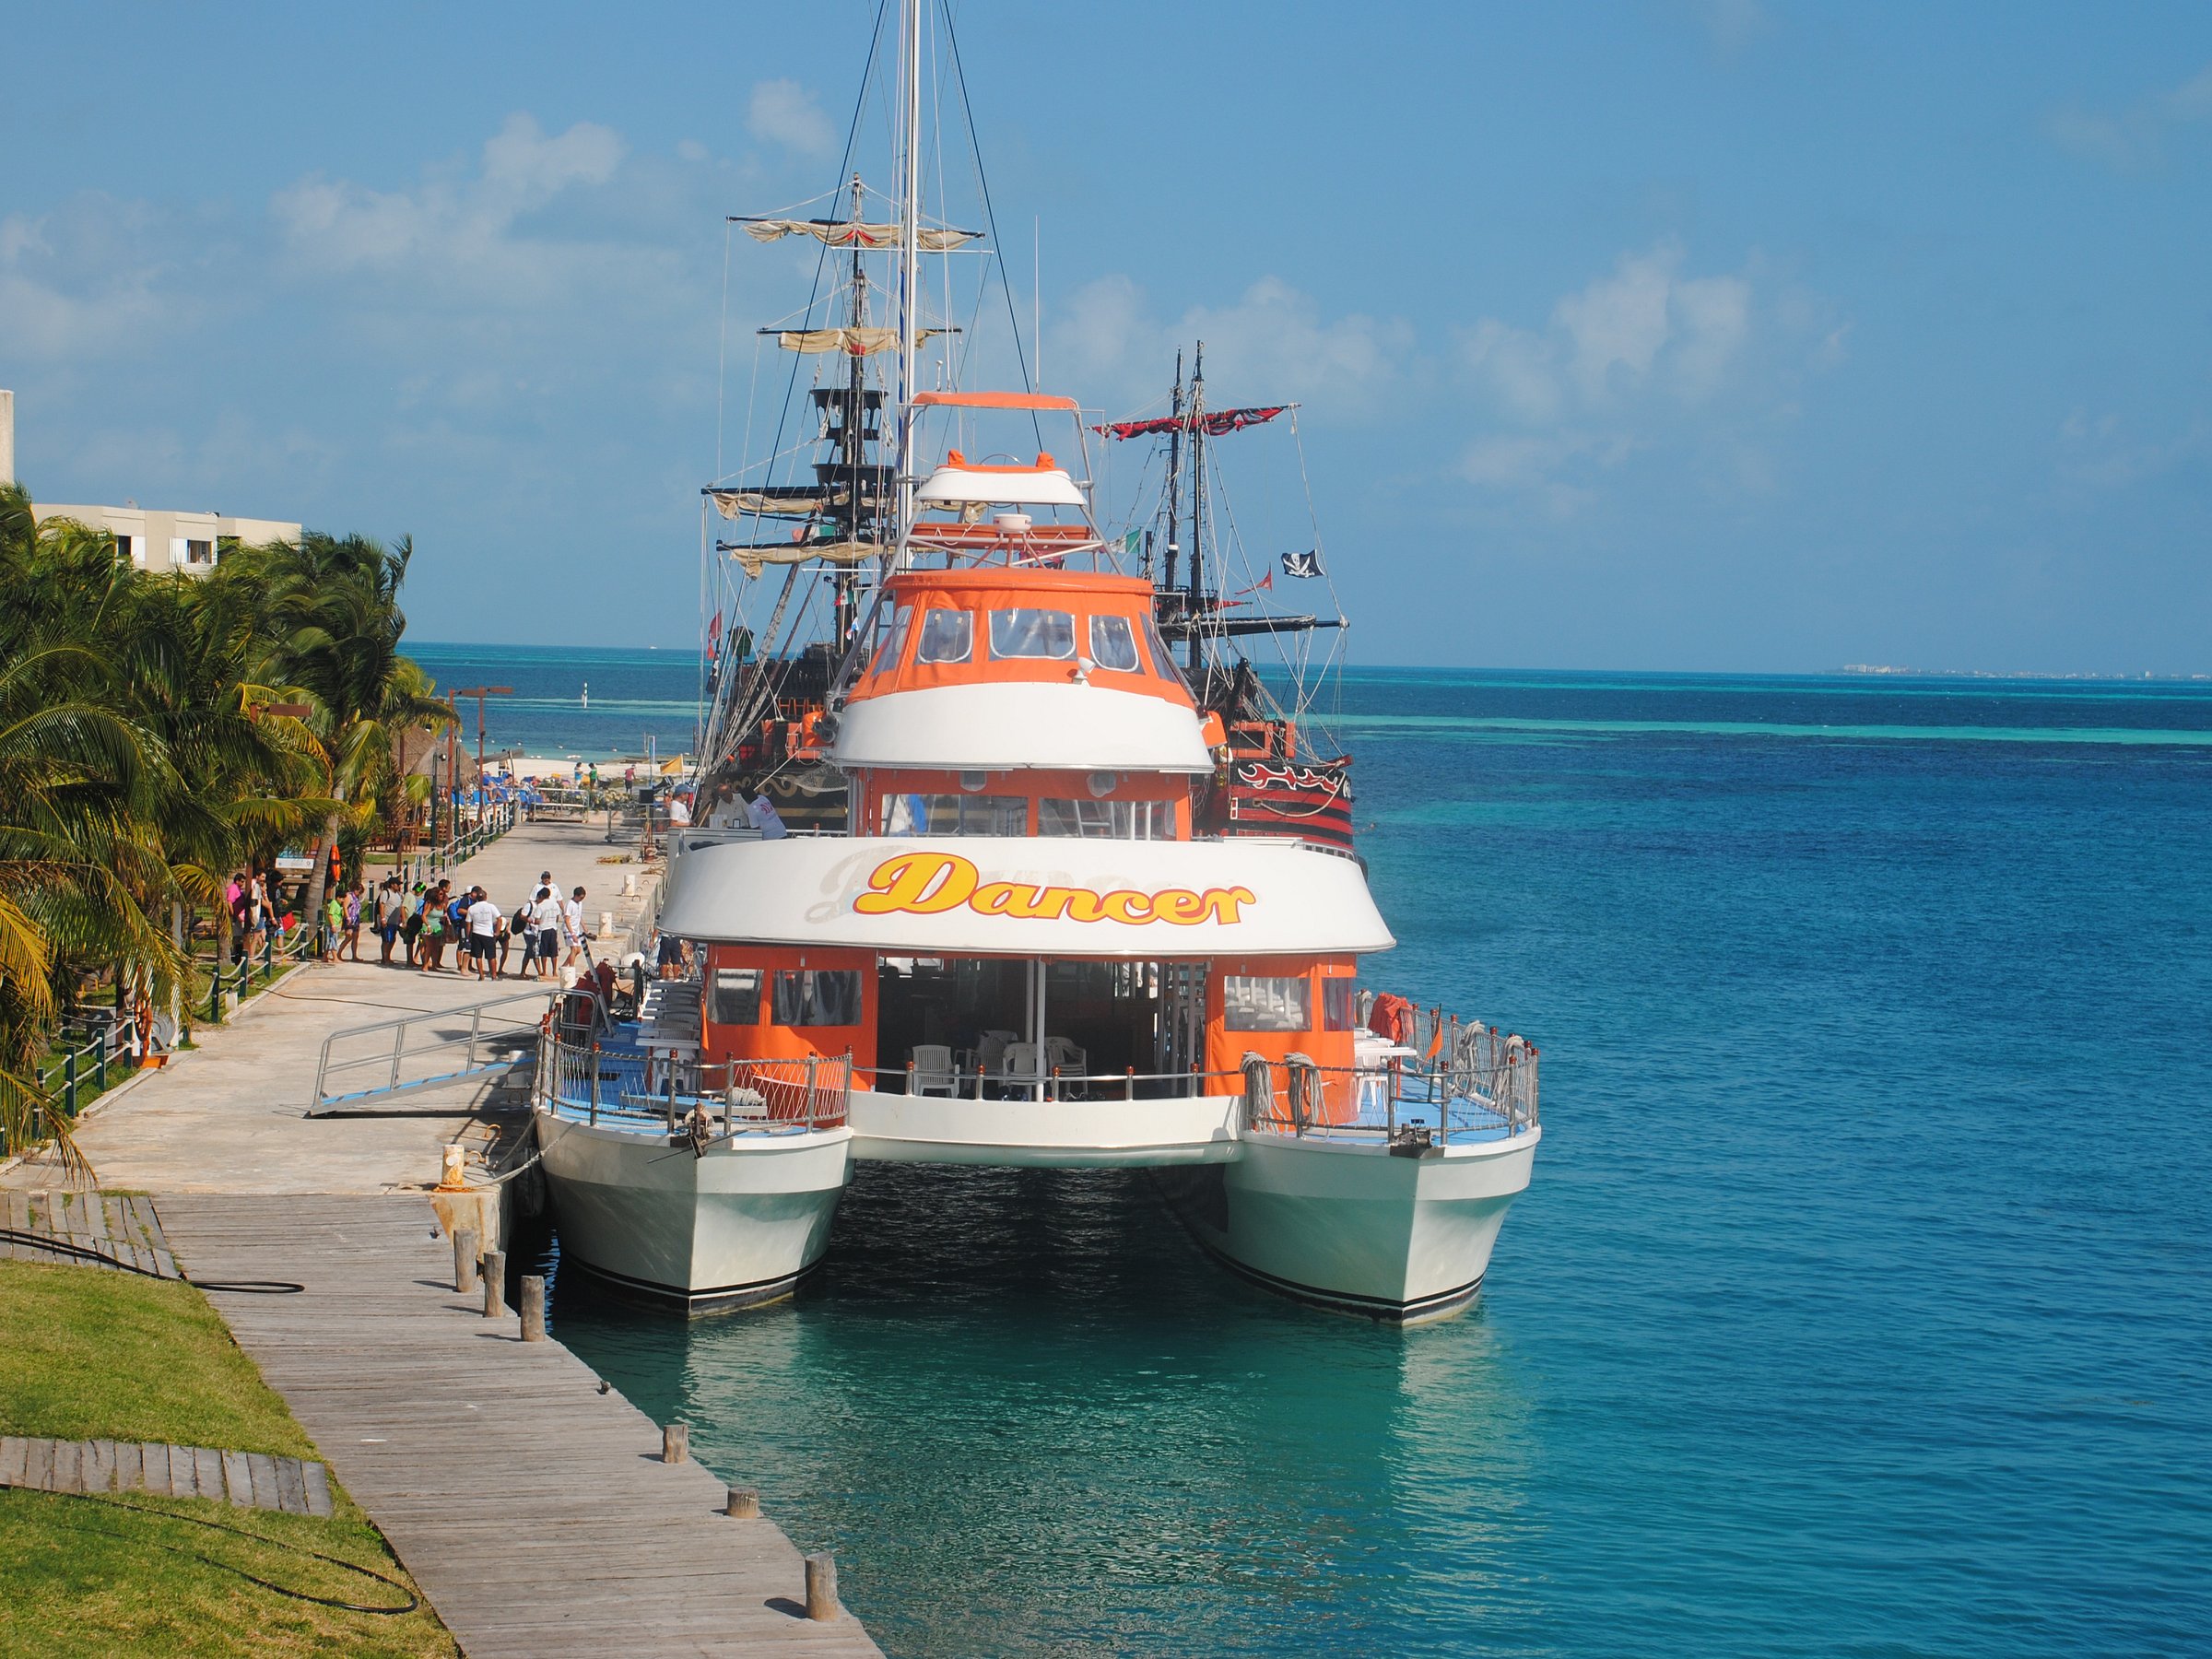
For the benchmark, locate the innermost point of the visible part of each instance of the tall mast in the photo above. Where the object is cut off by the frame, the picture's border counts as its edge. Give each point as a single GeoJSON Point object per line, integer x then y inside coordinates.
{"type": "Point", "coordinates": [1198, 426]}
{"type": "Point", "coordinates": [909, 256]}
{"type": "Point", "coordinates": [854, 426]}
{"type": "Point", "coordinates": [1174, 474]}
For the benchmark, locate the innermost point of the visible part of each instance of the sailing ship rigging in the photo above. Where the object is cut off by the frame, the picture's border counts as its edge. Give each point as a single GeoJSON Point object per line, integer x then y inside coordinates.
{"type": "Point", "coordinates": [1005, 854]}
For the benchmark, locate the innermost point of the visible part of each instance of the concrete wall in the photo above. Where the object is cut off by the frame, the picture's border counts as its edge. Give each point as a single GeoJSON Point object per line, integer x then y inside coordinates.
{"type": "Point", "coordinates": [8, 437]}
{"type": "Point", "coordinates": [159, 540]}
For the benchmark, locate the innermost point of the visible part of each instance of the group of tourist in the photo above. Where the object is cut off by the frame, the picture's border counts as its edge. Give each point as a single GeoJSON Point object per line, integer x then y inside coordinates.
{"type": "Point", "coordinates": [421, 925]}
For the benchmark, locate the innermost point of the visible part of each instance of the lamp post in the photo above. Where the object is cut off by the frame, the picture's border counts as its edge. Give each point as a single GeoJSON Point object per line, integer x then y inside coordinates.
{"type": "Point", "coordinates": [480, 693]}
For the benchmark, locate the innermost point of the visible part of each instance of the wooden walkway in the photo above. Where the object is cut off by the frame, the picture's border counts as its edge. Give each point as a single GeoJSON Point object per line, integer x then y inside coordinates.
{"type": "Point", "coordinates": [250, 1479]}
{"type": "Point", "coordinates": [533, 1510]}
{"type": "Point", "coordinates": [98, 1226]}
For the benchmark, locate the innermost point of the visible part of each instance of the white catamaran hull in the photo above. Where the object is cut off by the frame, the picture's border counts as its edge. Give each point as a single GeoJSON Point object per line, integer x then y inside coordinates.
{"type": "Point", "coordinates": [1355, 1227]}
{"type": "Point", "coordinates": [740, 1225]}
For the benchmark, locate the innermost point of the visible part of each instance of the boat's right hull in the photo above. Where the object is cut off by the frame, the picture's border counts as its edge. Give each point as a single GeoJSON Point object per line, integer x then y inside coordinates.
{"type": "Point", "coordinates": [1352, 1226]}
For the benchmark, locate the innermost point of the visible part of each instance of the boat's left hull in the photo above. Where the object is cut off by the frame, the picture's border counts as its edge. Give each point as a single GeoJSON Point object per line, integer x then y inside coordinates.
{"type": "Point", "coordinates": [741, 1225]}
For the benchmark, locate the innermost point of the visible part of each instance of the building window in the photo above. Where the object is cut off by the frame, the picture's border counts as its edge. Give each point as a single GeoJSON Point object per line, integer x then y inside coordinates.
{"type": "Point", "coordinates": [1107, 820]}
{"type": "Point", "coordinates": [130, 547]}
{"type": "Point", "coordinates": [948, 636]}
{"type": "Point", "coordinates": [199, 552]}
{"type": "Point", "coordinates": [1113, 644]}
{"type": "Point", "coordinates": [1032, 634]}
{"type": "Point", "coordinates": [1339, 1005]}
{"type": "Point", "coordinates": [828, 996]}
{"type": "Point", "coordinates": [735, 998]}
{"type": "Point", "coordinates": [955, 815]}
{"type": "Point", "coordinates": [888, 656]}
{"type": "Point", "coordinates": [1250, 1003]}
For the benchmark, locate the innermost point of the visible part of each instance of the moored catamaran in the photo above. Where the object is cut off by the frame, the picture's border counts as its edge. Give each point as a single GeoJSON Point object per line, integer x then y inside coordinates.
{"type": "Point", "coordinates": [985, 870]}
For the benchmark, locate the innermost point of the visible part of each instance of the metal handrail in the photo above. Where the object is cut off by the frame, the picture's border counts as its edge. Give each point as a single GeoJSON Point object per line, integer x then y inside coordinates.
{"type": "Point", "coordinates": [479, 1036]}
{"type": "Point", "coordinates": [674, 1093]}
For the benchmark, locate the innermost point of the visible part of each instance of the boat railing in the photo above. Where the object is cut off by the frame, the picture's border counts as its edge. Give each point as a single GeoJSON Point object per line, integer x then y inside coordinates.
{"type": "Point", "coordinates": [630, 1088]}
{"type": "Point", "coordinates": [1071, 1084]}
{"type": "Point", "coordinates": [1480, 1085]}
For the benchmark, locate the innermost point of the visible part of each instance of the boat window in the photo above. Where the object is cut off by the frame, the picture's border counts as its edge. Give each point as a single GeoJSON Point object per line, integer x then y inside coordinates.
{"type": "Point", "coordinates": [1107, 820]}
{"type": "Point", "coordinates": [948, 636]}
{"type": "Point", "coordinates": [1339, 1005]}
{"type": "Point", "coordinates": [1032, 634]}
{"type": "Point", "coordinates": [1163, 660]}
{"type": "Point", "coordinates": [896, 642]}
{"type": "Point", "coordinates": [955, 815]}
{"type": "Point", "coordinates": [1250, 1003]}
{"type": "Point", "coordinates": [736, 997]}
{"type": "Point", "coordinates": [1113, 644]}
{"type": "Point", "coordinates": [826, 996]}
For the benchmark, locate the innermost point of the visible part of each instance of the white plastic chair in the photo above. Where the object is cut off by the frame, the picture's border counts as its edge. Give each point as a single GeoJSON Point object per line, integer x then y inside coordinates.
{"type": "Point", "coordinates": [989, 1048]}
{"type": "Point", "coordinates": [1017, 1066]}
{"type": "Point", "coordinates": [1061, 1055]}
{"type": "Point", "coordinates": [934, 1072]}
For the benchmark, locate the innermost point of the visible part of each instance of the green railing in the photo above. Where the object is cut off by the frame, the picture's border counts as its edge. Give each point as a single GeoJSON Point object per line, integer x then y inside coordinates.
{"type": "Point", "coordinates": [75, 1076]}
{"type": "Point", "coordinates": [429, 863]}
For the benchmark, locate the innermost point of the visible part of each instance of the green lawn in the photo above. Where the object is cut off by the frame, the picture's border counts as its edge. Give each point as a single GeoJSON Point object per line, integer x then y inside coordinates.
{"type": "Point", "coordinates": [85, 1354]}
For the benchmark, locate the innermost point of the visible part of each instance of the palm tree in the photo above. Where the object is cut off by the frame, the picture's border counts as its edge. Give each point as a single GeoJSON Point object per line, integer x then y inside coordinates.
{"type": "Point", "coordinates": [332, 606]}
{"type": "Point", "coordinates": [82, 871]}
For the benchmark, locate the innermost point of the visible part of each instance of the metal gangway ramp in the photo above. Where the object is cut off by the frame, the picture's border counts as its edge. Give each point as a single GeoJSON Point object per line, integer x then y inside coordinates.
{"type": "Point", "coordinates": [366, 1067]}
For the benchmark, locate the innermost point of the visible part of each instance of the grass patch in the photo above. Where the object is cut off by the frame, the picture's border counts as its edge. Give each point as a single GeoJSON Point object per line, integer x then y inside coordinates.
{"type": "Point", "coordinates": [84, 1577]}
{"type": "Point", "coordinates": [90, 1354]}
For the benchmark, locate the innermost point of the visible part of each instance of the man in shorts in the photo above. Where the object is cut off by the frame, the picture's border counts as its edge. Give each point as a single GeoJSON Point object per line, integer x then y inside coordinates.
{"type": "Point", "coordinates": [571, 922]}
{"type": "Point", "coordinates": [483, 935]}
{"type": "Point", "coordinates": [545, 915]}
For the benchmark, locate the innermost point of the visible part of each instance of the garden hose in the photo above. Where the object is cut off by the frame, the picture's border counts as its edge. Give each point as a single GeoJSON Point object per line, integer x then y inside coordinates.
{"type": "Point", "coordinates": [413, 1601]}
{"type": "Point", "coordinates": [63, 1247]}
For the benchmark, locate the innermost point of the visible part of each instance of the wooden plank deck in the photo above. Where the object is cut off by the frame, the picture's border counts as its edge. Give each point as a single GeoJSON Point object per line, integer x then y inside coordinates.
{"type": "Point", "coordinates": [533, 1510]}
{"type": "Point", "coordinates": [104, 1465]}
{"type": "Point", "coordinates": [123, 1232]}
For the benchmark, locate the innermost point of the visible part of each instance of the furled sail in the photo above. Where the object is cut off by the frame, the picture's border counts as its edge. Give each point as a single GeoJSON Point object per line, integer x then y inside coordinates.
{"type": "Point", "coordinates": [853, 342]}
{"type": "Point", "coordinates": [850, 233]}
{"type": "Point", "coordinates": [752, 560]}
{"type": "Point", "coordinates": [1213, 423]}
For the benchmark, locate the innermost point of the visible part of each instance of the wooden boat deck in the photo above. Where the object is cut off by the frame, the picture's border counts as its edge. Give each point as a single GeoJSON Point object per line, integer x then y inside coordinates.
{"type": "Point", "coordinates": [533, 1510]}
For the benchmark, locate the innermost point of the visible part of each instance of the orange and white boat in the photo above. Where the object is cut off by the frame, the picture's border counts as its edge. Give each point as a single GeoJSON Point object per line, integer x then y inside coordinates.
{"type": "Point", "coordinates": [1012, 917]}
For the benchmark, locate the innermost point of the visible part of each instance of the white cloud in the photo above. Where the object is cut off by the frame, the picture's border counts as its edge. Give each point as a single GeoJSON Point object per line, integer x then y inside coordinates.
{"type": "Point", "coordinates": [2098, 453]}
{"type": "Point", "coordinates": [79, 282]}
{"type": "Point", "coordinates": [1621, 365]}
{"type": "Point", "coordinates": [1273, 342]}
{"type": "Point", "coordinates": [782, 112]}
{"type": "Point", "coordinates": [451, 226]}
{"type": "Point", "coordinates": [1732, 25]}
{"type": "Point", "coordinates": [2135, 136]}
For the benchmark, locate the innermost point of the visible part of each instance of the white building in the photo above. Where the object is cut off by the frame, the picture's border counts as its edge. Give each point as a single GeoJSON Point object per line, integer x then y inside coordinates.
{"type": "Point", "coordinates": [151, 538]}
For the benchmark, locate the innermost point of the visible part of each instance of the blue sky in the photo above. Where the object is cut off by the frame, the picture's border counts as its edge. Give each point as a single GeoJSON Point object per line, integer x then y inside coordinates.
{"type": "Point", "coordinates": [1725, 336]}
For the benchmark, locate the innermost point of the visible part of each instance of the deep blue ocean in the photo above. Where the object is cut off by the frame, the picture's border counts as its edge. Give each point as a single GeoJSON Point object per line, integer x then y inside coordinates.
{"type": "Point", "coordinates": [1860, 1305]}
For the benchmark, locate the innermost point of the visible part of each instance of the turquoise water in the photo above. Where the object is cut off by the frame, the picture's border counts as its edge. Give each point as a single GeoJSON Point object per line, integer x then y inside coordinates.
{"type": "Point", "coordinates": [1860, 1305]}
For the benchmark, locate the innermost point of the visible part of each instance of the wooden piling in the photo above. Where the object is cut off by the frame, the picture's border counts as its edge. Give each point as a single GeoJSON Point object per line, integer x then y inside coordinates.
{"type": "Point", "coordinates": [495, 1284]}
{"type": "Point", "coordinates": [675, 1443]}
{"type": "Point", "coordinates": [821, 1588]}
{"type": "Point", "coordinates": [533, 1308]}
{"type": "Point", "coordinates": [466, 1245]}
{"type": "Point", "coordinates": [744, 1503]}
